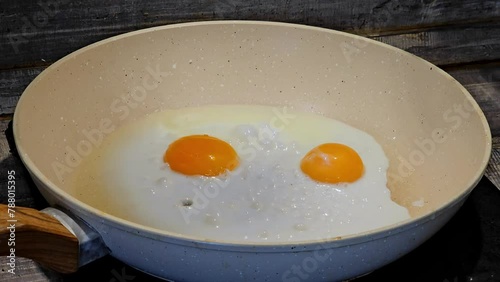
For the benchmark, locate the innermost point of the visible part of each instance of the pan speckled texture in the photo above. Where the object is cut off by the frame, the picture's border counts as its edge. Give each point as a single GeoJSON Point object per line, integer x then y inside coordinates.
{"type": "Point", "coordinates": [435, 135]}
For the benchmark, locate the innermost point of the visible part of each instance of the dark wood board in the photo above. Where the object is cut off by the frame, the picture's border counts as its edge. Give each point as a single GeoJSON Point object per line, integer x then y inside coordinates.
{"type": "Point", "coordinates": [33, 31]}
{"type": "Point", "coordinates": [451, 45]}
{"type": "Point", "coordinates": [12, 84]}
{"type": "Point", "coordinates": [493, 169]}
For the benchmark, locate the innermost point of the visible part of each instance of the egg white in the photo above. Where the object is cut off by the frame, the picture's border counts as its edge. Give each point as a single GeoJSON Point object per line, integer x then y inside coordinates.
{"type": "Point", "coordinates": [267, 198]}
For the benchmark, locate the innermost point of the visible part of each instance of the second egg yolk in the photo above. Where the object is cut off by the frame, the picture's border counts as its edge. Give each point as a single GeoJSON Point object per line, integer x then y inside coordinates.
{"type": "Point", "coordinates": [332, 163]}
{"type": "Point", "coordinates": [201, 155]}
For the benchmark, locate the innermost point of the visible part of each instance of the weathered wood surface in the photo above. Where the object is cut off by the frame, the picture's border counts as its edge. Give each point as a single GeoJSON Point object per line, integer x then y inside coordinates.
{"type": "Point", "coordinates": [493, 169]}
{"type": "Point", "coordinates": [27, 271]}
{"type": "Point", "coordinates": [12, 84]}
{"type": "Point", "coordinates": [32, 32]}
{"type": "Point", "coordinates": [451, 45]}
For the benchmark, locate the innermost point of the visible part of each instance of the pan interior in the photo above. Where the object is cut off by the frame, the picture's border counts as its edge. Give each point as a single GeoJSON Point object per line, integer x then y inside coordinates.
{"type": "Point", "coordinates": [435, 136]}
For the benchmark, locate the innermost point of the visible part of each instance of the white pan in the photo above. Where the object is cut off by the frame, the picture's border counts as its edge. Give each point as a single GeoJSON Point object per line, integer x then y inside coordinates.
{"type": "Point", "coordinates": [433, 132]}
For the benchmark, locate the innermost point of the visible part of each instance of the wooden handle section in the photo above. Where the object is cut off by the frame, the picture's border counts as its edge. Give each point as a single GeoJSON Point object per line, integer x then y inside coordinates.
{"type": "Point", "coordinates": [38, 236]}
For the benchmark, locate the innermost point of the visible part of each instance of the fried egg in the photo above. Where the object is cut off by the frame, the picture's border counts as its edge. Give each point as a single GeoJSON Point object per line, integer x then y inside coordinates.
{"type": "Point", "coordinates": [242, 173]}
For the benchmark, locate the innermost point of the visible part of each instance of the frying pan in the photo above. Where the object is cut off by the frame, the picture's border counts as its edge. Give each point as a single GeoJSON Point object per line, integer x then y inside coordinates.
{"type": "Point", "coordinates": [434, 134]}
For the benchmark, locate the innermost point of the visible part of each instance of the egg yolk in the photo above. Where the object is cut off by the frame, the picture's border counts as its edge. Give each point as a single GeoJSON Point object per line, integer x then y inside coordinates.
{"type": "Point", "coordinates": [201, 155]}
{"type": "Point", "coordinates": [332, 163]}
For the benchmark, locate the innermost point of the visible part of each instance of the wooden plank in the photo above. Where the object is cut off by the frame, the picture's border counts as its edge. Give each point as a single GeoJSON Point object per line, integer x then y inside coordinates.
{"type": "Point", "coordinates": [33, 31]}
{"type": "Point", "coordinates": [12, 84]}
{"type": "Point", "coordinates": [493, 169]}
{"type": "Point", "coordinates": [27, 270]}
{"type": "Point", "coordinates": [453, 45]}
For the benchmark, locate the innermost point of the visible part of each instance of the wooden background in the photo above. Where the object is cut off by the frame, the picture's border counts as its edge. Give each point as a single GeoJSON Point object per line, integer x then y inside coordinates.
{"type": "Point", "coordinates": [462, 37]}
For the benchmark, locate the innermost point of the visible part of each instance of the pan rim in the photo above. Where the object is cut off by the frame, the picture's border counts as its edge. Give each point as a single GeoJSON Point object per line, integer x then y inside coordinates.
{"type": "Point", "coordinates": [154, 233]}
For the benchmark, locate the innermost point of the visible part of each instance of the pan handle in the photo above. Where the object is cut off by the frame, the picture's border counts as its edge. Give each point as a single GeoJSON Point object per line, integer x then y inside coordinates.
{"type": "Point", "coordinates": [50, 237]}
